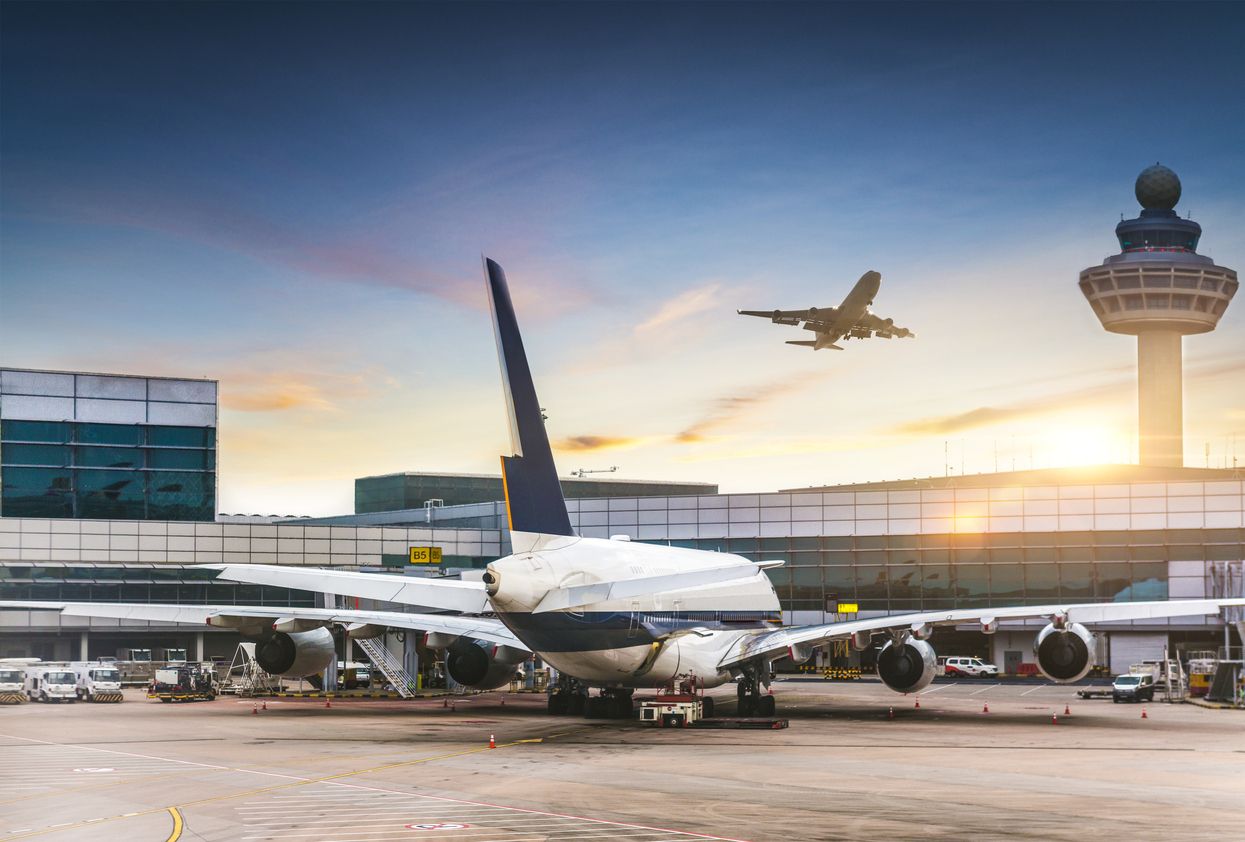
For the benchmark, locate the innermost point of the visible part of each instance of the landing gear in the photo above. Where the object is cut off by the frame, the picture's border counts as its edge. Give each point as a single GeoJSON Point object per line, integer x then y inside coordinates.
{"type": "Point", "coordinates": [752, 701]}
{"type": "Point", "coordinates": [613, 703]}
{"type": "Point", "coordinates": [568, 696]}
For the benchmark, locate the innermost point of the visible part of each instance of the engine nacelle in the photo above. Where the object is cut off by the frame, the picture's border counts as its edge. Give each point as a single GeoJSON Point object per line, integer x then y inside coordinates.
{"type": "Point", "coordinates": [297, 654]}
{"type": "Point", "coordinates": [1063, 655]}
{"type": "Point", "coordinates": [364, 631]}
{"type": "Point", "coordinates": [481, 665]}
{"type": "Point", "coordinates": [908, 667]}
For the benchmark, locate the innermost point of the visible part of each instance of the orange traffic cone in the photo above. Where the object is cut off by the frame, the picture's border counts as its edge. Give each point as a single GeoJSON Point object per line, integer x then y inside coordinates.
{"type": "Point", "coordinates": [1067, 711]}
{"type": "Point", "coordinates": [1143, 714]}
{"type": "Point", "coordinates": [918, 702]}
{"type": "Point", "coordinates": [254, 709]}
{"type": "Point", "coordinates": [328, 703]}
{"type": "Point", "coordinates": [492, 743]}
{"type": "Point", "coordinates": [265, 706]}
{"type": "Point", "coordinates": [985, 708]}
{"type": "Point", "coordinates": [1054, 720]}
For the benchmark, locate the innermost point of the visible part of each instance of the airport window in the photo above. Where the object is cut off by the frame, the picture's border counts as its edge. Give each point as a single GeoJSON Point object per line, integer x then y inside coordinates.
{"type": "Point", "coordinates": [1041, 583]}
{"type": "Point", "coordinates": [51, 455]}
{"type": "Point", "coordinates": [37, 492]}
{"type": "Point", "coordinates": [109, 457]}
{"type": "Point", "coordinates": [1076, 581]}
{"type": "Point", "coordinates": [126, 434]}
{"type": "Point", "coordinates": [110, 494]}
{"type": "Point", "coordinates": [158, 436]}
{"type": "Point", "coordinates": [191, 460]}
{"type": "Point", "coordinates": [56, 432]}
{"type": "Point", "coordinates": [972, 585]}
{"type": "Point", "coordinates": [1007, 583]}
{"type": "Point", "coordinates": [1111, 580]}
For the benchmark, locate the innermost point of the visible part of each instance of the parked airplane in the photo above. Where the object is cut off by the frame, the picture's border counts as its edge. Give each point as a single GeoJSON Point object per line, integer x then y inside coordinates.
{"type": "Point", "coordinates": [850, 320]}
{"type": "Point", "coordinates": [610, 614]}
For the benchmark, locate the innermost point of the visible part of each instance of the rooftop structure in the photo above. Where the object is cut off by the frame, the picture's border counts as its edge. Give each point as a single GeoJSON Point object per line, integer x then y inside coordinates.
{"type": "Point", "coordinates": [1158, 288]}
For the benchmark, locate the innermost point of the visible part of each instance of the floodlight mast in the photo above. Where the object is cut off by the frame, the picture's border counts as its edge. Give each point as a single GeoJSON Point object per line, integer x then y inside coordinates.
{"type": "Point", "coordinates": [1159, 289]}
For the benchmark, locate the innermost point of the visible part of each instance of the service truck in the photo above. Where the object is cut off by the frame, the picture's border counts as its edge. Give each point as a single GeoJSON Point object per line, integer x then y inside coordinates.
{"type": "Point", "coordinates": [98, 682]}
{"type": "Point", "coordinates": [51, 683]}
{"type": "Point", "coordinates": [12, 677]}
{"type": "Point", "coordinates": [184, 683]}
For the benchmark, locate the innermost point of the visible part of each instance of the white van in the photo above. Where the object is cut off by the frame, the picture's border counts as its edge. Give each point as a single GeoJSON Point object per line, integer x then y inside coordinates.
{"type": "Point", "coordinates": [51, 682]}
{"type": "Point", "coordinates": [98, 682]}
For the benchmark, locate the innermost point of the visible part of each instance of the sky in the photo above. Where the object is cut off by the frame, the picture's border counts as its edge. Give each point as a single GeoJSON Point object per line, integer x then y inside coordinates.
{"type": "Point", "coordinates": [293, 199]}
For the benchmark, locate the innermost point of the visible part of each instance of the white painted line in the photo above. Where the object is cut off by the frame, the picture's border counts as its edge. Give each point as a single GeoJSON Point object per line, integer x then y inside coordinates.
{"type": "Point", "coordinates": [984, 689]}
{"type": "Point", "coordinates": [936, 689]}
{"type": "Point", "coordinates": [1033, 689]}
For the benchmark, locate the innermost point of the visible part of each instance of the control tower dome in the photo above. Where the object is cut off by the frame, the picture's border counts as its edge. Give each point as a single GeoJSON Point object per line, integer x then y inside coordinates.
{"type": "Point", "coordinates": [1158, 288]}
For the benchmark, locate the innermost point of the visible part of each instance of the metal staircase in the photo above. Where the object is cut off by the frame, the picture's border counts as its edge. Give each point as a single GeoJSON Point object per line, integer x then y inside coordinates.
{"type": "Point", "coordinates": [388, 666]}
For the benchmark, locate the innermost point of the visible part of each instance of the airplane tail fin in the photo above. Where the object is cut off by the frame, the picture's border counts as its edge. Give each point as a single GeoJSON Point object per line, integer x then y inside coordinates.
{"type": "Point", "coordinates": [534, 501]}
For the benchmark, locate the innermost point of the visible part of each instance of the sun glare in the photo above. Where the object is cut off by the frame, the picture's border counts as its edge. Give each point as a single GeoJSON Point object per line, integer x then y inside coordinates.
{"type": "Point", "coordinates": [1069, 446]}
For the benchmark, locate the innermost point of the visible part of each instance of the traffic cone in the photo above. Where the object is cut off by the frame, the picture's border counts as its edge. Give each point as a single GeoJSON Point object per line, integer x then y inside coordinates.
{"type": "Point", "coordinates": [985, 708]}
{"type": "Point", "coordinates": [265, 706]}
{"type": "Point", "coordinates": [891, 714]}
{"type": "Point", "coordinates": [918, 702]}
{"type": "Point", "coordinates": [492, 743]}
{"type": "Point", "coordinates": [1067, 711]}
{"type": "Point", "coordinates": [254, 710]}
{"type": "Point", "coordinates": [328, 703]}
{"type": "Point", "coordinates": [1143, 714]}
{"type": "Point", "coordinates": [1054, 720]}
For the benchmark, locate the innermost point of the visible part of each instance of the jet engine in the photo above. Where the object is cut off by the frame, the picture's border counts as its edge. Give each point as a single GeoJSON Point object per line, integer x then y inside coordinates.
{"type": "Point", "coordinates": [908, 667]}
{"type": "Point", "coordinates": [296, 654]}
{"type": "Point", "coordinates": [1063, 654]}
{"type": "Point", "coordinates": [482, 665]}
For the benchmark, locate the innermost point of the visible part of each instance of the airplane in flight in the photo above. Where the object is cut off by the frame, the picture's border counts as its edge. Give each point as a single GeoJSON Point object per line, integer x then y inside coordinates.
{"type": "Point", "coordinates": [830, 325]}
{"type": "Point", "coordinates": [611, 615]}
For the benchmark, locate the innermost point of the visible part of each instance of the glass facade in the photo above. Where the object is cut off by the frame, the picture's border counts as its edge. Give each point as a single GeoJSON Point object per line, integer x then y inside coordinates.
{"type": "Point", "coordinates": [67, 469]}
{"type": "Point", "coordinates": [168, 584]}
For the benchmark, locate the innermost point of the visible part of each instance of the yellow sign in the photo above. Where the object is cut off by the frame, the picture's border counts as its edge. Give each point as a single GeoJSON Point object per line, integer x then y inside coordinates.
{"type": "Point", "coordinates": [425, 555]}
{"type": "Point", "coordinates": [848, 608]}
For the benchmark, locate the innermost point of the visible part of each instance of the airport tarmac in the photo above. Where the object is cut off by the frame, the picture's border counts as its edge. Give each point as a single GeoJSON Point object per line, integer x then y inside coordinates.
{"type": "Point", "coordinates": [395, 770]}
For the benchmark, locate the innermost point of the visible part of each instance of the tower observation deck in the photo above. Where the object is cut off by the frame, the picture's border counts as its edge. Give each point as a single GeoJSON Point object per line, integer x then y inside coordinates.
{"type": "Point", "coordinates": [1158, 288]}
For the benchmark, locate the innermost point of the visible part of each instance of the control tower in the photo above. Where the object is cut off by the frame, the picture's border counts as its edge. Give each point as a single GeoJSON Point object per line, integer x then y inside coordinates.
{"type": "Point", "coordinates": [1158, 288]}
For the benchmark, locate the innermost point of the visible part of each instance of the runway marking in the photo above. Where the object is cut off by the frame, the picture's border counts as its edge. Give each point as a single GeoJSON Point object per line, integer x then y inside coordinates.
{"type": "Point", "coordinates": [984, 689]}
{"type": "Point", "coordinates": [1039, 687]}
{"type": "Point", "coordinates": [178, 825]}
{"type": "Point", "coordinates": [939, 687]}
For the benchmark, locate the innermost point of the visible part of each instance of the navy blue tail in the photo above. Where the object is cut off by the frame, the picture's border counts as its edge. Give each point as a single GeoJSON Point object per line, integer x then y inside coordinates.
{"type": "Point", "coordinates": [533, 492]}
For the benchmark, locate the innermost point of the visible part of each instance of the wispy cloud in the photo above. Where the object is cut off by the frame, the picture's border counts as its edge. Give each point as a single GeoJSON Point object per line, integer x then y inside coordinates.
{"type": "Point", "coordinates": [682, 306]}
{"type": "Point", "coordinates": [583, 444]}
{"type": "Point", "coordinates": [1115, 389]}
{"type": "Point", "coordinates": [725, 410]}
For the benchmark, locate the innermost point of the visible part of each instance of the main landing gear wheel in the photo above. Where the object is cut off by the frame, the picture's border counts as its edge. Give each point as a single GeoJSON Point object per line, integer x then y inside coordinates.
{"type": "Point", "coordinates": [752, 702]}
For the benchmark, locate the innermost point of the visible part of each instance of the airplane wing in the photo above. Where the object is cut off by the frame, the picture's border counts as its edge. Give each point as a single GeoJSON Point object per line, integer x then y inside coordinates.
{"type": "Point", "coordinates": [794, 317]}
{"type": "Point", "coordinates": [481, 628]}
{"type": "Point", "coordinates": [885, 328]}
{"type": "Point", "coordinates": [775, 644]}
{"type": "Point", "coordinates": [445, 594]}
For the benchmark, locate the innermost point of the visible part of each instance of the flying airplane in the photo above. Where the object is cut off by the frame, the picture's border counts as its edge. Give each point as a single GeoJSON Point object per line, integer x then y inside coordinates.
{"type": "Point", "coordinates": [611, 615]}
{"type": "Point", "coordinates": [850, 320]}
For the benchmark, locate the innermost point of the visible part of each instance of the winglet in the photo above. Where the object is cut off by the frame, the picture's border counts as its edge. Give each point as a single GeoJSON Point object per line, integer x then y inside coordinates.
{"type": "Point", "coordinates": [533, 493]}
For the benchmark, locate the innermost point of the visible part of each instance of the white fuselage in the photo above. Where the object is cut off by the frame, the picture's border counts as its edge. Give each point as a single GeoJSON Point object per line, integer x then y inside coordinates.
{"type": "Point", "coordinates": [852, 310]}
{"type": "Point", "coordinates": [643, 641]}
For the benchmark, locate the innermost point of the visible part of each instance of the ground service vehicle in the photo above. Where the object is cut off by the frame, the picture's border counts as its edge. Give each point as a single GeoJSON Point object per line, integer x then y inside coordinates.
{"type": "Point", "coordinates": [11, 680]}
{"type": "Point", "coordinates": [1133, 687]}
{"type": "Point", "coordinates": [968, 668]}
{"type": "Point", "coordinates": [98, 682]}
{"type": "Point", "coordinates": [51, 683]}
{"type": "Point", "coordinates": [184, 683]}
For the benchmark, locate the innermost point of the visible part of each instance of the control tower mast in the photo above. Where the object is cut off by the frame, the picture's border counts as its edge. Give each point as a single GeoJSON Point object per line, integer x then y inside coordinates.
{"type": "Point", "coordinates": [1158, 288]}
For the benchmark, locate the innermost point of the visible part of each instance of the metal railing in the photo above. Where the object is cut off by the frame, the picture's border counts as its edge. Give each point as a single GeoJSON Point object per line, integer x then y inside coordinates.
{"type": "Point", "coordinates": [388, 666]}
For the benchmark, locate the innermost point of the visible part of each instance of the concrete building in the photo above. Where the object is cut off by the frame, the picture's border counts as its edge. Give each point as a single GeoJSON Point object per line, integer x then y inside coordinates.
{"type": "Point", "coordinates": [1159, 289]}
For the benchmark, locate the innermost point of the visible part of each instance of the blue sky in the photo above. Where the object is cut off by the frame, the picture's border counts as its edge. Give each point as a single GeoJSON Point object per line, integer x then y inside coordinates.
{"type": "Point", "coordinates": [293, 198]}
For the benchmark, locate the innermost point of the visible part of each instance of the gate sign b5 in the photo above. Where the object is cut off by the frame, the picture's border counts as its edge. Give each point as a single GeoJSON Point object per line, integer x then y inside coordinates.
{"type": "Point", "coordinates": [425, 555]}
